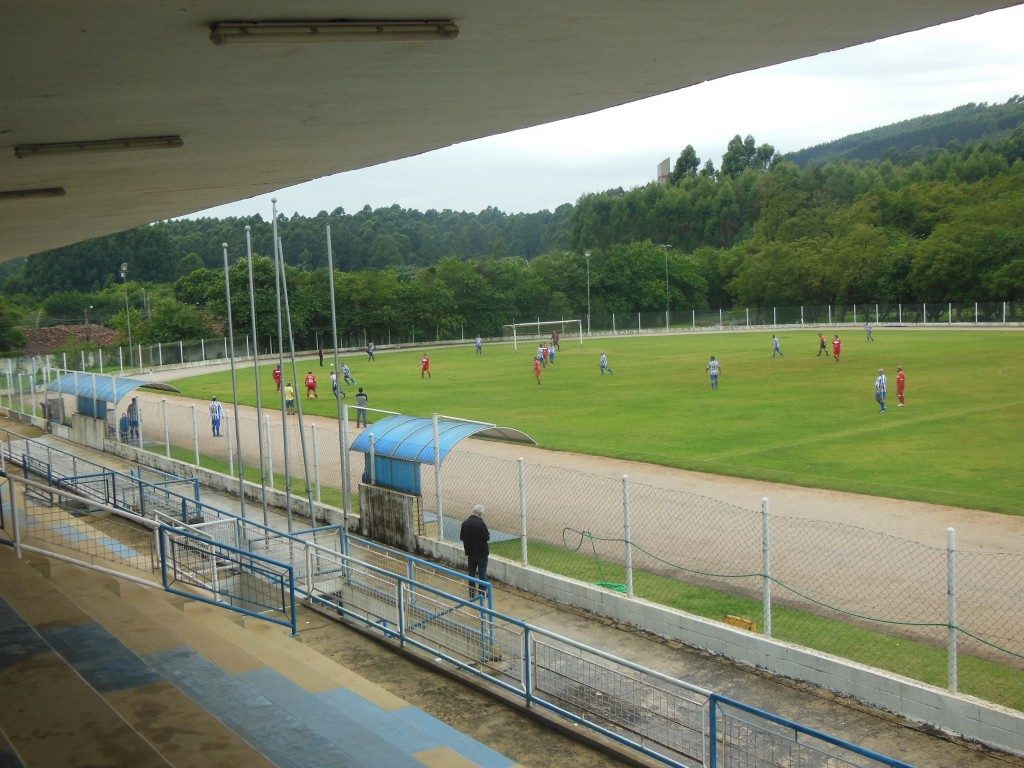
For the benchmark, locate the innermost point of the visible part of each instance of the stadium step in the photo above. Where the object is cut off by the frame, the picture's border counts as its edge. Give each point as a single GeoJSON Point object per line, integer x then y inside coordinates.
{"type": "Point", "coordinates": [52, 710]}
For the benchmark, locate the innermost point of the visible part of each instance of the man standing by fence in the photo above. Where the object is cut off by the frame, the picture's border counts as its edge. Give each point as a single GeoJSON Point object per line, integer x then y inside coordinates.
{"type": "Point", "coordinates": [474, 536]}
{"type": "Point", "coordinates": [361, 399]}
{"type": "Point", "coordinates": [134, 419]}
{"type": "Point", "coordinates": [216, 414]}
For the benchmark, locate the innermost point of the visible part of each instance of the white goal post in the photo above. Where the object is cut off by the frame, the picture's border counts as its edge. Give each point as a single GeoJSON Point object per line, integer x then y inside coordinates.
{"type": "Point", "coordinates": [541, 329]}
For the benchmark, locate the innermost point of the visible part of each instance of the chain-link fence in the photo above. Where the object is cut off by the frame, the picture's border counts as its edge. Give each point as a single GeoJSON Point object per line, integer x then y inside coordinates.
{"type": "Point", "coordinates": [874, 598]}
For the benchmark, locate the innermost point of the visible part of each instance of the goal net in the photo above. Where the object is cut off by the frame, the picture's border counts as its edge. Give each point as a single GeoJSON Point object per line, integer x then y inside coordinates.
{"type": "Point", "coordinates": [543, 330]}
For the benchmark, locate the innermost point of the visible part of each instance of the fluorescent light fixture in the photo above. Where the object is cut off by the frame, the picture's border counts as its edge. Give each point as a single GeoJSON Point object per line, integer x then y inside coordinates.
{"type": "Point", "coordinates": [234, 32]}
{"type": "Point", "coordinates": [25, 194]}
{"type": "Point", "coordinates": [106, 145]}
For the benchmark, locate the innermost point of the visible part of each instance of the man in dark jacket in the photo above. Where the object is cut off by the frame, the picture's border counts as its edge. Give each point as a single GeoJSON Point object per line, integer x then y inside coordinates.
{"type": "Point", "coordinates": [474, 536]}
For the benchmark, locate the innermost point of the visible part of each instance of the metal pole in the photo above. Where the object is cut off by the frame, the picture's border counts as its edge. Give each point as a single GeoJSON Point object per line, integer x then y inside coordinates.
{"type": "Point", "coordinates": [523, 554]}
{"type": "Point", "coordinates": [181, 351]}
{"type": "Point", "coordinates": [628, 530]}
{"type": "Point", "coordinates": [748, 316]}
{"type": "Point", "coordinates": [100, 351]}
{"type": "Point", "coordinates": [975, 313]}
{"type": "Point", "coordinates": [234, 388]}
{"type": "Point", "coordinates": [924, 313]}
{"type": "Point", "coordinates": [373, 464]}
{"type": "Point", "coordinates": [341, 410]}
{"type": "Point", "coordinates": [231, 464]}
{"type": "Point", "coordinates": [830, 314]}
{"type": "Point", "coordinates": [949, 313]}
{"type": "Point", "coordinates": [587, 254]}
{"type": "Point", "coordinates": [160, 354]}
{"type": "Point", "coordinates": [775, 320]}
{"type": "Point", "coordinates": [120, 359]}
{"type": "Point", "coordinates": [95, 402]}
{"type": "Point", "coordinates": [901, 313]}
{"type": "Point", "coordinates": [298, 400]}
{"type": "Point", "coordinates": [280, 363]}
{"type": "Point", "coordinates": [766, 567]}
{"type": "Point", "coordinates": [437, 477]}
{"type": "Point", "coordinates": [202, 350]}
{"type": "Point", "coordinates": [951, 653]}
{"type": "Point", "coordinates": [876, 314]}
{"type": "Point", "coordinates": [167, 430]}
{"type": "Point", "coordinates": [195, 434]}
{"type": "Point", "coordinates": [256, 374]}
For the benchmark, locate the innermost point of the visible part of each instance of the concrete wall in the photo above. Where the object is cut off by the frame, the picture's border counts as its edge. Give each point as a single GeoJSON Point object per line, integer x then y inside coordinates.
{"type": "Point", "coordinates": [957, 714]}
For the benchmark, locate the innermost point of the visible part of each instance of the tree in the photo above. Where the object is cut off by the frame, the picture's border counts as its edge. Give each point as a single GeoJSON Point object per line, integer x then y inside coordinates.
{"type": "Point", "coordinates": [686, 164]}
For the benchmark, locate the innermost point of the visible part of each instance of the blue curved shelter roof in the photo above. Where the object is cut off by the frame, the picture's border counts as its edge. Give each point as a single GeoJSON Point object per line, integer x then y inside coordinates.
{"type": "Point", "coordinates": [101, 385]}
{"type": "Point", "coordinates": [411, 438]}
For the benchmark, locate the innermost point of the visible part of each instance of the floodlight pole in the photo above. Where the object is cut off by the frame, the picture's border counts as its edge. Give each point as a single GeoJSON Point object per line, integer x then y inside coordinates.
{"type": "Point", "coordinates": [127, 311]}
{"type": "Point", "coordinates": [587, 254]}
{"type": "Point", "coordinates": [665, 248]}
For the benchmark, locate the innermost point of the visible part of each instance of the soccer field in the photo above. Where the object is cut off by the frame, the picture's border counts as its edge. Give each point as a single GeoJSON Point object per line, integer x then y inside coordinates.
{"type": "Point", "coordinates": [799, 419]}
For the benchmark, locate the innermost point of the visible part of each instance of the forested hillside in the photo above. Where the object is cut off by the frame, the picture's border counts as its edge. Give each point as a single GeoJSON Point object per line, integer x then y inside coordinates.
{"type": "Point", "coordinates": [759, 230]}
{"type": "Point", "coordinates": [909, 140]}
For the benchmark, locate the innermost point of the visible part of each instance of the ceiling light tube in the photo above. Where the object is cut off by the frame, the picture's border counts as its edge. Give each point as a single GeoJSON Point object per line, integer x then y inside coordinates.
{"type": "Point", "coordinates": [234, 32]}
{"type": "Point", "coordinates": [106, 145]}
{"type": "Point", "coordinates": [24, 194]}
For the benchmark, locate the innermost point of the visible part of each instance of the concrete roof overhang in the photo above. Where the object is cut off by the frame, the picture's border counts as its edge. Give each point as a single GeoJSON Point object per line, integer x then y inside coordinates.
{"type": "Point", "coordinates": [255, 118]}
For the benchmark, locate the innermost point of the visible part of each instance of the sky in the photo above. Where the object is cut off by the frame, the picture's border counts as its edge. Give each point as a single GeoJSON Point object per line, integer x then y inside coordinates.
{"type": "Point", "coordinates": [791, 106]}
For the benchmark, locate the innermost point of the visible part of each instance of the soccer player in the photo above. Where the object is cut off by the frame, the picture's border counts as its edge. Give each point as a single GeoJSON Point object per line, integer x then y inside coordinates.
{"type": "Point", "coordinates": [369, 353]}
{"type": "Point", "coordinates": [289, 398]}
{"type": "Point", "coordinates": [346, 374]}
{"type": "Point", "coordinates": [776, 347]}
{"type": "Point", "coordinates": [604, 365]}
{"type": "Point", "coordinates": [479, 345]}
{"type": "Point", "coordinates": [277, 378]}
{"type": "Point", "coordinates": [901, 385]}
{"type": "Point", "coordinates": [868, 331]}
{"type": "Point", "coordinates": [551, 354]}
{"type": "Point", "coordinates": [544, 355]}
{"type": "Point", "coordinates": [216, 414]}
{"type": "Point", "coordinates": [822, 346]}
{"type": "Point", "coordinates": [555, 338]}
{"type": "Point", "coordinates": [837, 347]}
{"type": "Point", "coordinates": [713, 368]}
{"type": "Point", "coordinates": [425, 366]}
{"type": "Point", "coordinates": [310, 385]}
{"type": "Point", "coordinates": [880, 390]}
{"type": "Point", "coordinates": [320, 351]}
{"type": "Point", "coordinates": [536, 369]}
{"type": "Point", "coordinates": [334, 383]}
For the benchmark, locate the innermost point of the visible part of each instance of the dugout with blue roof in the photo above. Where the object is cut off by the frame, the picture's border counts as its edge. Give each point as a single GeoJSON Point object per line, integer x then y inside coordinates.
{"type": "Point", "coordinates": [401, 443]}
{"type": "Point", "coordinates": [96, 391]}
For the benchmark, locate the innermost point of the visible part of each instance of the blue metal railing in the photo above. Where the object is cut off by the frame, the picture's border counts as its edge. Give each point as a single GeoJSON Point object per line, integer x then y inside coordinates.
{"type": "Point", "coordinates": [240, 579]}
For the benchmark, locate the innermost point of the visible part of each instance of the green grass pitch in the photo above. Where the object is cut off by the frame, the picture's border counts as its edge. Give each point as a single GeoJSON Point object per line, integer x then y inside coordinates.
{"type": "Point", "coordinates": [799, 419]}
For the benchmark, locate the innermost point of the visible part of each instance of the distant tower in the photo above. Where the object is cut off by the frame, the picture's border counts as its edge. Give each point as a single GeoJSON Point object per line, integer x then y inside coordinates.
{"type": "Point", "coordinates": [663, 171]}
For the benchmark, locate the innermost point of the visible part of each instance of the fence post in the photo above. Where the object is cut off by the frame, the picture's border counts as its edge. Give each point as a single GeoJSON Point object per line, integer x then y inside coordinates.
{"type": "Point", "coordinates": [226, 347]}
{"type": "Point", "coordinates": [195, 434]}
{"type": "Point", "coordinates": [523, 554]}
{"type": "Point", "coordinates": [160, 354]}
{"type": "Point", "coordinates": [949, 313]}
{"type": "Point", "coordinates": [639, 328]}
{"type": "Point", "coordinates": [854, 314]}
{"type": "Point", "coordinates": [975, 313]}
{"type": "Point", "coordinates": [876, 314]}
{"type": "Point", "coordinates": [628, 531]}
{"type": "Point", "coordinates": [345, 459]}
{"type": "Point", "coordinates": [101, 359]}
{"type": "Point", "coordinates": [951, 659]}
{"type": "Point", "coordinates": [613, 324]}
{"type": "Point", "coordinates": [181, 351]}
{"type": "Point", "coordinates": [270, 450]}
{"type": "Point", "coordinates": [437, 474]}
{"type": "Point", "coordinates": [766, 567]}
{"type": "Point", "coordinates": [167, 430]}
{"type": "Point", "coordinates": [95, 403]}
{"type": "Point", "coordinates": [140, 355]}
{"type": "Point", "coordinates": [693, 318]}
{"type": "Point", "coordinates": [801, 314]}
{"type": "Point", "coordinates": [775, 319]}
{"type": "Point", "coordinates": [901, 313]}
{"type": "Point", "coordinates": [1004, 312]}
{"type": "Point", "coordinates": [747, 310]}
{"type": "Point", "coordinates": [82, 356]}
{"type": "Point", "coordinates": [924, 313]}
{"type": "Point", "coordinates": [247, 353]}
{"type": "Point", "coordinates": [316, 460]}
{"type": "Point", "coordinates": [64, 355]}
{"type": "Point", "coordinates": [231, 453]}
{"type": "Point", "coordinates": [373, 473]}
{"type": "Point", "coordinates": [830, 314]}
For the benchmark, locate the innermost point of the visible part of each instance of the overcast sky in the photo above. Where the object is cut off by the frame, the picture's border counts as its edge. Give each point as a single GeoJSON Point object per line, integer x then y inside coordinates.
{"type": "Point", "coordinates": [791, 106]}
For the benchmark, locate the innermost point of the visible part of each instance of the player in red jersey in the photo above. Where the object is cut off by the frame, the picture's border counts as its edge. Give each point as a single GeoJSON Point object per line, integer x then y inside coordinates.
{"type": "Point", "coordinates": [837, 347]}
{"type": "Point", "coordinates": [277, 377]}
{"type": "Point", "coordinates": [425, 366]}
{"type": "Point", "coordinates": [536, 369]}
{"type": "Point", "coordinates": [901, 385]}
{"type": "Point", "coordinates": [310, 385]}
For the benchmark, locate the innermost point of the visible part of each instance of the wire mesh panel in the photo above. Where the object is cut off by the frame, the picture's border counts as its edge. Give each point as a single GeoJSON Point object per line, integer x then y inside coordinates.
{"type": "Point", "coordinates": [647, 709]}
{"type": "Point", "coordinates": [202, 569]}
{"type": "Point", "coordinates": [745, 737]}
{"type": "Point", "coordinates": [75, 523]}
